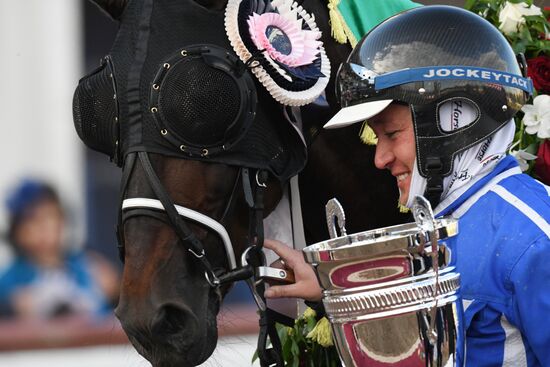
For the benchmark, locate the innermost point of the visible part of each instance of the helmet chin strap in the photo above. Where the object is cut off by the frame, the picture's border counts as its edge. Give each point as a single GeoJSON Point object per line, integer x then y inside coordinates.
{"type": "Point", "coordinates": [434, 187]}
{"type": "Point", "coordinates": [431, 188]}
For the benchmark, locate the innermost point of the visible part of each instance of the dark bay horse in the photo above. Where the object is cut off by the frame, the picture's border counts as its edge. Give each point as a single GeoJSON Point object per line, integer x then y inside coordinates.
{"type": "Point", "coordinates": [167, 306]}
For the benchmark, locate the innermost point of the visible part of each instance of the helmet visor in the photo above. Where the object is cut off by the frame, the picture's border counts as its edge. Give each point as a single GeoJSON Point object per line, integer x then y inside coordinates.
{"type": "Point", "coordinates": [357, 95]}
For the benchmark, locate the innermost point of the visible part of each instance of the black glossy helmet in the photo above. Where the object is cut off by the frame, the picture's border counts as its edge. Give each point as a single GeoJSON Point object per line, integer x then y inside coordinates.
{"type": "Point", "coordinates": [425, 57]}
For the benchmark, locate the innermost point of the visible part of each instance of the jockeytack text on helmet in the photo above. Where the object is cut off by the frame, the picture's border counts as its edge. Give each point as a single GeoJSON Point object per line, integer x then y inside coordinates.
{"type": "Point", "coordinates": [478, 73]}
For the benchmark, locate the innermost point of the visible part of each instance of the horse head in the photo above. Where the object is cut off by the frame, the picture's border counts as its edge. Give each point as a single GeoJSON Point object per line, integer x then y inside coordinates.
{"type": "Point", "coordinates": [167, 305]}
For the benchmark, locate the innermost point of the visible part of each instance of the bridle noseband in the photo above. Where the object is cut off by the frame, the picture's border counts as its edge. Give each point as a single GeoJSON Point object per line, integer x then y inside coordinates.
{"type": "Point", "coordinates": [190, 214]}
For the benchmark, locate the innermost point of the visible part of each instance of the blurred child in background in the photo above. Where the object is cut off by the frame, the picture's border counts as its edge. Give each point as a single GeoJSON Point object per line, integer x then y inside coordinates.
{"type": "Point", "coordinates": [46, 279]}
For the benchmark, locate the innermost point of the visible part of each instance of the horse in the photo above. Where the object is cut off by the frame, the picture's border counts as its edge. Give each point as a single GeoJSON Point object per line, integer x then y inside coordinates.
{"type": "Point", "coordinates": [169, 296]}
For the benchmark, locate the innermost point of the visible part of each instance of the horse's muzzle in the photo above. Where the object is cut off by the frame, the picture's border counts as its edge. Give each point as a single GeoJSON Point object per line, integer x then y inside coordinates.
{"type": "Point", "coordinates": [172, 337]}
{"type": "Point", "coordinates": [175, 323]}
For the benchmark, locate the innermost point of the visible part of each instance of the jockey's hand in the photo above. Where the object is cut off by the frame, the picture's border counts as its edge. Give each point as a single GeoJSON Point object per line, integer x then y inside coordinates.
{"type": "Point", "coordinates": [306, 285]}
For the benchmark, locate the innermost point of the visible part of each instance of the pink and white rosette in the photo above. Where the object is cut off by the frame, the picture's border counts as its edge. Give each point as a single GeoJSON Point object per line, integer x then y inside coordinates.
{"type": "Point", "coordinates": [306, 47]}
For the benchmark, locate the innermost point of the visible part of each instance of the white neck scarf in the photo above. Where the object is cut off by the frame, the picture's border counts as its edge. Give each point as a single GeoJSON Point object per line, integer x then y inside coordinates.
{"type": "Point", "coordinates": [472, 163]}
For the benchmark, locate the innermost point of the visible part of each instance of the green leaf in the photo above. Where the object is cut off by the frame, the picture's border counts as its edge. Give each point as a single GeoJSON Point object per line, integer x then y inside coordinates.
{"type": "Point", "coordinates": [535, 19]}
{"type": "Point", "coordinates": [525, 34]}
{"type": "Point", "coordinates": [533, 148]}
{"type": "Point", "coordinates": [538, 27]}
{"type": "Point", "coordinates": [282, 332]}
{"type": "Point", "coordinates": [295, 349]}
{"type": "Point", "coordinates": [528, 2]}
{"type": "Point", "coordinates": [310, 325]}
{"type": "Point", "coordinates": [520, 46]}
{"type": "Point", "coordinates": [469, 4]}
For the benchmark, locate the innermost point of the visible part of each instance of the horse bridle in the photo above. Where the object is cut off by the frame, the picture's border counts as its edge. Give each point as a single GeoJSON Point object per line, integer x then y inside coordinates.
{"type": "Point", "coordinates": [177, 215]}
{"type": "Point", "coordinates": [252, 259]}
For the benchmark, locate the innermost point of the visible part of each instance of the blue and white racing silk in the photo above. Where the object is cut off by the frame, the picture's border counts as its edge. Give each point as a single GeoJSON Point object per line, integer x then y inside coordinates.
{"type": "Point", "coordinates": [502, 252]}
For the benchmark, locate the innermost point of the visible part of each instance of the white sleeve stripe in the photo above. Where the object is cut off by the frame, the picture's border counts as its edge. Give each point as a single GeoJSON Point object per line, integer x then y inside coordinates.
{"type": "Point", "coordinates": [514, 350]}
{"type": "Point", "coordinates": [524, 208]}
{"type": "Point", "coordinates": [493, 182]}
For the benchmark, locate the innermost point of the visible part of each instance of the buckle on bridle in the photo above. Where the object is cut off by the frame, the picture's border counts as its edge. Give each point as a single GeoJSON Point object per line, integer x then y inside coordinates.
{"type": "Point", "coordinates": [195, 254]}
{"type": "Point", "coordinates": [260, 184]}
{"type": "Point", "coordinates": [214, 283]}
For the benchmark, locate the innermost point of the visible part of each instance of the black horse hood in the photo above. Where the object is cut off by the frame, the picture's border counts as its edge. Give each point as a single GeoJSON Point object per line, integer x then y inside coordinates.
{"type": "Point", "coordinates": [172, 84]}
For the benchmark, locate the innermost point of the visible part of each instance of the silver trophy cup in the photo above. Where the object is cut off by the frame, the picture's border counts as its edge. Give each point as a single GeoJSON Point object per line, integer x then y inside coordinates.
{"type": "Point", "coordinates": [390, 296]}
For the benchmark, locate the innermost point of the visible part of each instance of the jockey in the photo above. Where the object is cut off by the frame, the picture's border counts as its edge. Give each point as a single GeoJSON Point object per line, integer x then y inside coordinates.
{"type": "Point", "coordinates": [440, 87]}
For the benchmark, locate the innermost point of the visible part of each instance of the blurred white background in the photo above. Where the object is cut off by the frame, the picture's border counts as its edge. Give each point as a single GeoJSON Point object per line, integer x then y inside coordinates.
{"type": "Point", "coordinates": [40, 64]}
{"type": "Point", "coordinates": [231, 352]}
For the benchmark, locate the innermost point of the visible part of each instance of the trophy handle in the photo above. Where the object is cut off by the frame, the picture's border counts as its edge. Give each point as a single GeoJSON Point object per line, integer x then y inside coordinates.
{"type": "Point", "coordinates": [423, 214]}
{"type": "Point", "coordinates": [335, 217]}
{"type": "Point", "coordinates": [425, 219]}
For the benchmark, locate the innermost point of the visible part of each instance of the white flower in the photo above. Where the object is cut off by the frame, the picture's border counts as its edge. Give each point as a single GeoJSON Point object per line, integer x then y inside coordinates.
{"type": "Point", "coordinates": [512, 16]}
{"type": "Point", "coordinates": [537, 116]}
{"type": "Point", "coordinates": [523, 157]}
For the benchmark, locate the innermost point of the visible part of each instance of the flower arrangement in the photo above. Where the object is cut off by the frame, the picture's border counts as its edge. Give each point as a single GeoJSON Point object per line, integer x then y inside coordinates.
{"type": "Point", "coordinates": [309, 342]}
{"type": "Point", "coordinates": [527, 28]}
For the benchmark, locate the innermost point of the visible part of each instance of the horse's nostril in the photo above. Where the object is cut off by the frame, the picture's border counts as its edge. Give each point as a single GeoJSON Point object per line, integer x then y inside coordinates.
{"type": "Point", "coordinates": [174, 319]}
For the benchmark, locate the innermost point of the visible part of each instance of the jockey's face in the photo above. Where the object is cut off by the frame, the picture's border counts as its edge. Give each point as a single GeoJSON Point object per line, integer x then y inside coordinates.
{"type": "Point", "coordinates": [395, 150]}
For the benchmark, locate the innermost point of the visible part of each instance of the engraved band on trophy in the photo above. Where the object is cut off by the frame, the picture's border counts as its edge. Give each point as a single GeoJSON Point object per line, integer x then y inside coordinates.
{"type": "Point", "coordinates": [389, 293]}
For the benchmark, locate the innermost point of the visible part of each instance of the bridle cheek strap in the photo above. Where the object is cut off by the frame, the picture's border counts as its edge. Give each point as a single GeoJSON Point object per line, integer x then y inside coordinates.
{"type": "Point", "coordinates": [154, 204]}
{"type": "Point", "coordinates": [126, 173]}
{"type": "Point", "coordinates": [187, 237]}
